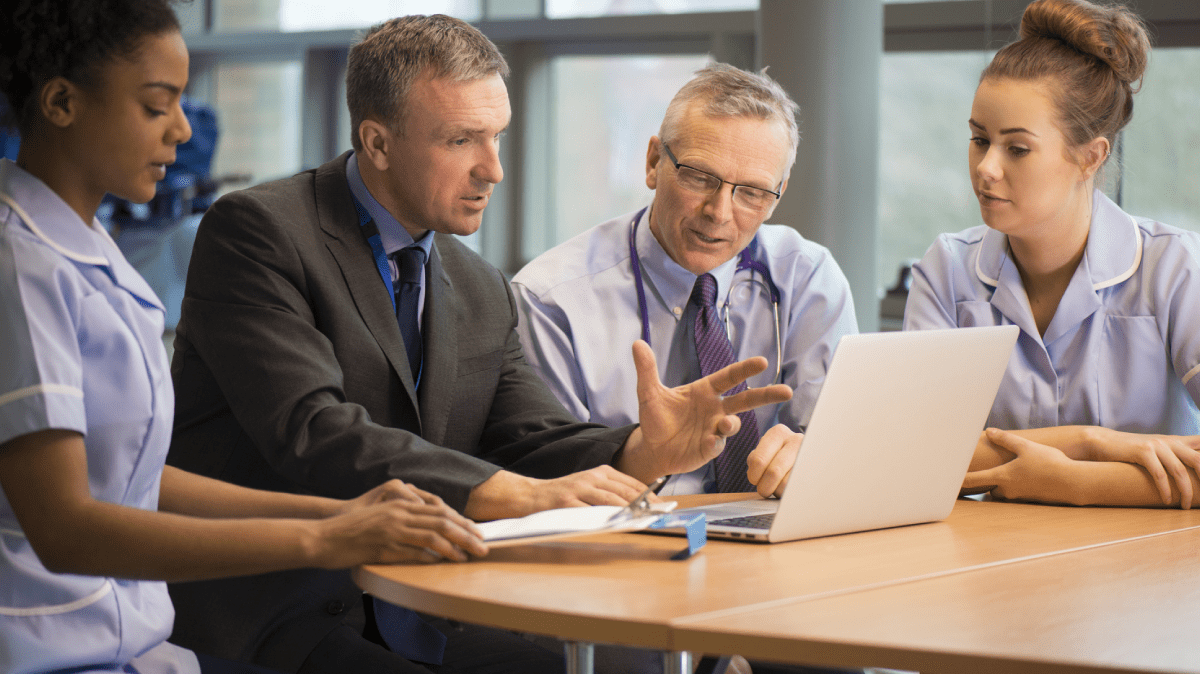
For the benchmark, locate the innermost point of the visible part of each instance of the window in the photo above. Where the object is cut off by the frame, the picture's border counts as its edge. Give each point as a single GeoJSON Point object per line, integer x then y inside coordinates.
{"type": "Point", "coordinates": [605, 109]}
{"type": "Point", "coordinates": [306, 15]}
{"type": "Point", "coordinates": [1161, 146]}
{"type": "Point", "coordinates": [924, 185]}
{"type": "Point", "coordinates": [297, 15]}
{"type": "Point", "coordinates": [561, 9]}
{"type": "Point", "coordinates": [258, 108]}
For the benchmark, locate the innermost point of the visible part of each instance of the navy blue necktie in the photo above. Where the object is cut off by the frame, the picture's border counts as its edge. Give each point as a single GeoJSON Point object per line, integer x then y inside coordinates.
{"type": "Point", "coordinates": [715, 352]}
{"type": "Point", "coordinates": [410, 261]}
{"type": "Point", "coordinates": [405, 633]}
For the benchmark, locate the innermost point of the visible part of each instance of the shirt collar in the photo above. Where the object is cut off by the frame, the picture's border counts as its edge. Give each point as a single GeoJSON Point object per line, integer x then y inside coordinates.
{"type": "Point", "coordinates": [672, 282]}
{"type": "Point", "coordinates": [1112, 255]}
{"type": "Point", "coordinates": [50, 219]}
{"type": "Point", "coordinates": [392, 234]}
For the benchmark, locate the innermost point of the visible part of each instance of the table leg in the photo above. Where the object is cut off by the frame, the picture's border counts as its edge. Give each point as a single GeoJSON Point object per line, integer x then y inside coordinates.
{"type": "Point", "coordinates": [581, 657]}
{"type": "Point", "coordinates": [677, 662]}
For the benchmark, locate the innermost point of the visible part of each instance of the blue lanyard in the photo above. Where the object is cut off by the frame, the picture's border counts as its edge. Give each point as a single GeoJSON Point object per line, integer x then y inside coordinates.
{"type": "Point", "coordinates": [746, 261]}
{"type": "Point", "coordinates": [371, 234]}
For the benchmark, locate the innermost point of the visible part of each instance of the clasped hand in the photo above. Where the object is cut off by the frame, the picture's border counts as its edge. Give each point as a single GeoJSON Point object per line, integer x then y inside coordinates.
{"type": "Point", "coordinates": [1039, 471]}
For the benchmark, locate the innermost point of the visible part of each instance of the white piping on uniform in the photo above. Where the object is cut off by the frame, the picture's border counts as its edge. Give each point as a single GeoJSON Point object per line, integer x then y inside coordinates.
{"type": "Point", "coordinates": [60, 608]}
{"type": "Point", "coordinates": [1137, 260]}
{"type": "Point", "coordinates": [86, 259]}
{"type": "Point", "coordinates": [40, 388]}
{"type": "Point", "coordinates": [1191, 373]}
{"type": "Point", "coordinates": [979, 270]}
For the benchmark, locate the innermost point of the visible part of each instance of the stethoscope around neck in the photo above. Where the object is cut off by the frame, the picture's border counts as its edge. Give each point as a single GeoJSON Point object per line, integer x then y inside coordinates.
{"type": "Point", "coordinates": [746, 261]}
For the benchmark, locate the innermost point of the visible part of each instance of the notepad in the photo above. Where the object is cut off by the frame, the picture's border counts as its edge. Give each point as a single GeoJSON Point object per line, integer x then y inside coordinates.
{"type": "Point", "coordinates": [564, 523]}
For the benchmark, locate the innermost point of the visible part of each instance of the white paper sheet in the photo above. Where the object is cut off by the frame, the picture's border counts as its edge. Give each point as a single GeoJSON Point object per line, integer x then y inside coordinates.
{"type": "Point", "coordinates": [563, 522]}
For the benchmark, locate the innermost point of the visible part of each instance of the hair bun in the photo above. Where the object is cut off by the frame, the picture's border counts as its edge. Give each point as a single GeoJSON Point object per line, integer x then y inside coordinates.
{"type": "Point", "coordinates": [1112, 34]}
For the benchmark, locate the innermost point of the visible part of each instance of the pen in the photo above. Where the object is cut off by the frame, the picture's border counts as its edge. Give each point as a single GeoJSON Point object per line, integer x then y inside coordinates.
{"type": "Point", "coordinates": [640, 503]}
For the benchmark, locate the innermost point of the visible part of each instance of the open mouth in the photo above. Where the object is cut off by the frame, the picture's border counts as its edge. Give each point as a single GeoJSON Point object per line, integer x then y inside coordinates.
{"type": "Point", "coordinates": [478, 201]}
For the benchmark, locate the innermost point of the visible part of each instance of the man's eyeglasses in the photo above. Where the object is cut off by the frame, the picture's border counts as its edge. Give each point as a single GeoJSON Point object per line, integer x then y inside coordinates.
{"type": "Point", "coordinates": [701, 182]}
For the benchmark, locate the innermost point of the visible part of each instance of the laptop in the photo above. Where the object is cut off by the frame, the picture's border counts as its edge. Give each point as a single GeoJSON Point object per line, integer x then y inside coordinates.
{"type": "Point", "coordinates": [890, 438]}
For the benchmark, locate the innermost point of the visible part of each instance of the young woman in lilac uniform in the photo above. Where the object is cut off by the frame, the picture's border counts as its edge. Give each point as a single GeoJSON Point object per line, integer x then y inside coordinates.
{"type": "Point", "coordinates": [90, 521]}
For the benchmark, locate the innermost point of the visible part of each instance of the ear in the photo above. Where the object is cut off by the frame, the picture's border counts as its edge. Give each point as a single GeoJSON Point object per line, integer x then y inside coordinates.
{"type": "Point", "coordinates": [1092, 156]}
{"type": "Point", "coordinates": [376, 140]}
{"type": "Point", "coordinates": [782, 191]}
{"type": "Point", "coordinates": [653, 154]}
{"type": "Point", "coordinates": [59, 101]}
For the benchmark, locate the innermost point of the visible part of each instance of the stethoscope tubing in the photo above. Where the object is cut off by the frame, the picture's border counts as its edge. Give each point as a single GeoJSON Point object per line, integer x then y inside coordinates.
{"type": "Point", "coordinates": [746, 261]}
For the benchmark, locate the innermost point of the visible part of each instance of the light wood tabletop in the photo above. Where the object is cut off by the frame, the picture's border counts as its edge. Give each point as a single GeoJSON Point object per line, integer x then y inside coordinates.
{"type": "Point", "coordinates": [1130, 606]}
{"type": "Point", "coordinates": [623, 588]}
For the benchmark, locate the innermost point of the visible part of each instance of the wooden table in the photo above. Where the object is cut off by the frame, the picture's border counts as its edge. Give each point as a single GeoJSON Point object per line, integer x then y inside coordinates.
{"type": "Point", "coordinates": [995, 587]}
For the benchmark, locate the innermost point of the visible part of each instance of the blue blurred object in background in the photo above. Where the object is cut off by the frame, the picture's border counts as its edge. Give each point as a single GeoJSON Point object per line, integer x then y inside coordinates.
{"type": "Point", "coordinates": [10, 140]}
{"type": "Point", "coordinates": [157, 237]}
{"type": "Point", "coordinates": [188, 186]}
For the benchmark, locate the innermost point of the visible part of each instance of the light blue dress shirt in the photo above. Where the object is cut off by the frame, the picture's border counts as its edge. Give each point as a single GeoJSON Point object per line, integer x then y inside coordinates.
{"type": "Point", "coordinates": [81, 336]}
{"type": "Point", "coordinates": [392, 234]}
{"type": "Point", "coordinates": [1123, 348]}
{"type": "Point", "coordinates": [579, 318]}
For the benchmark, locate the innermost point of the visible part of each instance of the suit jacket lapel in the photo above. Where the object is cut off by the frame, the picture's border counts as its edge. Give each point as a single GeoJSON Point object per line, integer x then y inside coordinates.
{"type": "Point", "coordinates": [441, 350]}
{"type": "Point", "coordinates": [344, 239]}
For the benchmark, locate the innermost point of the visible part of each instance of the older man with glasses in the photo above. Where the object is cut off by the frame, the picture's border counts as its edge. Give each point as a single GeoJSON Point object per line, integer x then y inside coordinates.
{"type": "Point", "coordinates": [698, 276]}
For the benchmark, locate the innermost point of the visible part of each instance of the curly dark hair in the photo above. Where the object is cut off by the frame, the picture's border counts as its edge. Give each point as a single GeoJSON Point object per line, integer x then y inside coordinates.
{"type": "Point", "coordinates": [43, 39]}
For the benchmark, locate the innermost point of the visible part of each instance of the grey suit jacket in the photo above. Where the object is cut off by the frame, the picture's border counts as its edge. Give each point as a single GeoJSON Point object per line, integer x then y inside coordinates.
{"type": "Point", "coordinates": [291, 375]}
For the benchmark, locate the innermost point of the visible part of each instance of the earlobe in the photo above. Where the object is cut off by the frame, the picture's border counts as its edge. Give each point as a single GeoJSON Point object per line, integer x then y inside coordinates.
{"type": "Point", "coordinates": [59, 101]}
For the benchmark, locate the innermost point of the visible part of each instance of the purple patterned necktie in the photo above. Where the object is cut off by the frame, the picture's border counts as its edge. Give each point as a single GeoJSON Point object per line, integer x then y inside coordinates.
{"type": "Point", "coordinates": [715, 352]}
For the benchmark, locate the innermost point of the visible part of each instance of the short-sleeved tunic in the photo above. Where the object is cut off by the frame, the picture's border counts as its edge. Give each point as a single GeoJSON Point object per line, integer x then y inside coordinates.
{"type": "Point", "coordinates": [80, 349]}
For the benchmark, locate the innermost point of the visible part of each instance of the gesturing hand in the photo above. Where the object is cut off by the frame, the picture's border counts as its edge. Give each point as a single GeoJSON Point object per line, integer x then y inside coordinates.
{"type": "Point", "coordinates": [685, 427]}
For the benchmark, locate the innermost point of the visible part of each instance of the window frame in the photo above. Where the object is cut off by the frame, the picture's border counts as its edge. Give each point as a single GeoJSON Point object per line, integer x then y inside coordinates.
{"type": "Point", "coordinates": [530, 44]}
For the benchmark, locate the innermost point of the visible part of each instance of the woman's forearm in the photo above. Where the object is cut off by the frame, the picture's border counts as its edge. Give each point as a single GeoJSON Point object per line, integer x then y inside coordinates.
{"type": "Point", "coordinates": [191, 494]}
{"type": "Point", "coordinates": [45, 479]}
{"type": "Point", "coordinates": [1114, 483]}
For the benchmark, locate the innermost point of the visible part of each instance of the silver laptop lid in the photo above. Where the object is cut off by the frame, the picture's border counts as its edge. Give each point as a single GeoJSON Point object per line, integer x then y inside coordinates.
{"type": "Point", "coordinates": [893, 430]}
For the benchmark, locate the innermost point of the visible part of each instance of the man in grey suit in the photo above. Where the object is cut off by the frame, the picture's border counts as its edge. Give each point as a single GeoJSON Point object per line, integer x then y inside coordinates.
{"type": "Point", "coordinates": [292, 372]}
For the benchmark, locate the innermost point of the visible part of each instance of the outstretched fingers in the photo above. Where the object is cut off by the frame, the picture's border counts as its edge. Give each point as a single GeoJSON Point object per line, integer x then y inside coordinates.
{"type": "Point", "coordinates": [757, 397]}
{"type": "Point", "coordinates": [647, 368]}
{"type": "Point", "coordinates": [735, 373]}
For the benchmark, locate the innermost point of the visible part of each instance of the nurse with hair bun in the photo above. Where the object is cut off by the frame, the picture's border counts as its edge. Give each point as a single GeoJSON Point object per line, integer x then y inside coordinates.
{"type": "Point", "coordinates": [1099, 403]}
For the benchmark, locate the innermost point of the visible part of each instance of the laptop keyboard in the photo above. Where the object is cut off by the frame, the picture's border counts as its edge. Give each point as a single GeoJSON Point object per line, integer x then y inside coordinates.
{"type": "Point", "coordinates": [748, 521]}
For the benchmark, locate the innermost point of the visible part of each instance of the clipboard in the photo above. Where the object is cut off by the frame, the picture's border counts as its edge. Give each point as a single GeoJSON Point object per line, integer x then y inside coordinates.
{"type": "Point", "coordinates": [560, 523]}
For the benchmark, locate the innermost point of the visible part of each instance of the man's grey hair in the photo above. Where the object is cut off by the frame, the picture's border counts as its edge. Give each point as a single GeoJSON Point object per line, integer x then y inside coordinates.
{"type": "Point", "coordinates": [391, 56]}
{"type": "Point", "coordinates": [725, 91]}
